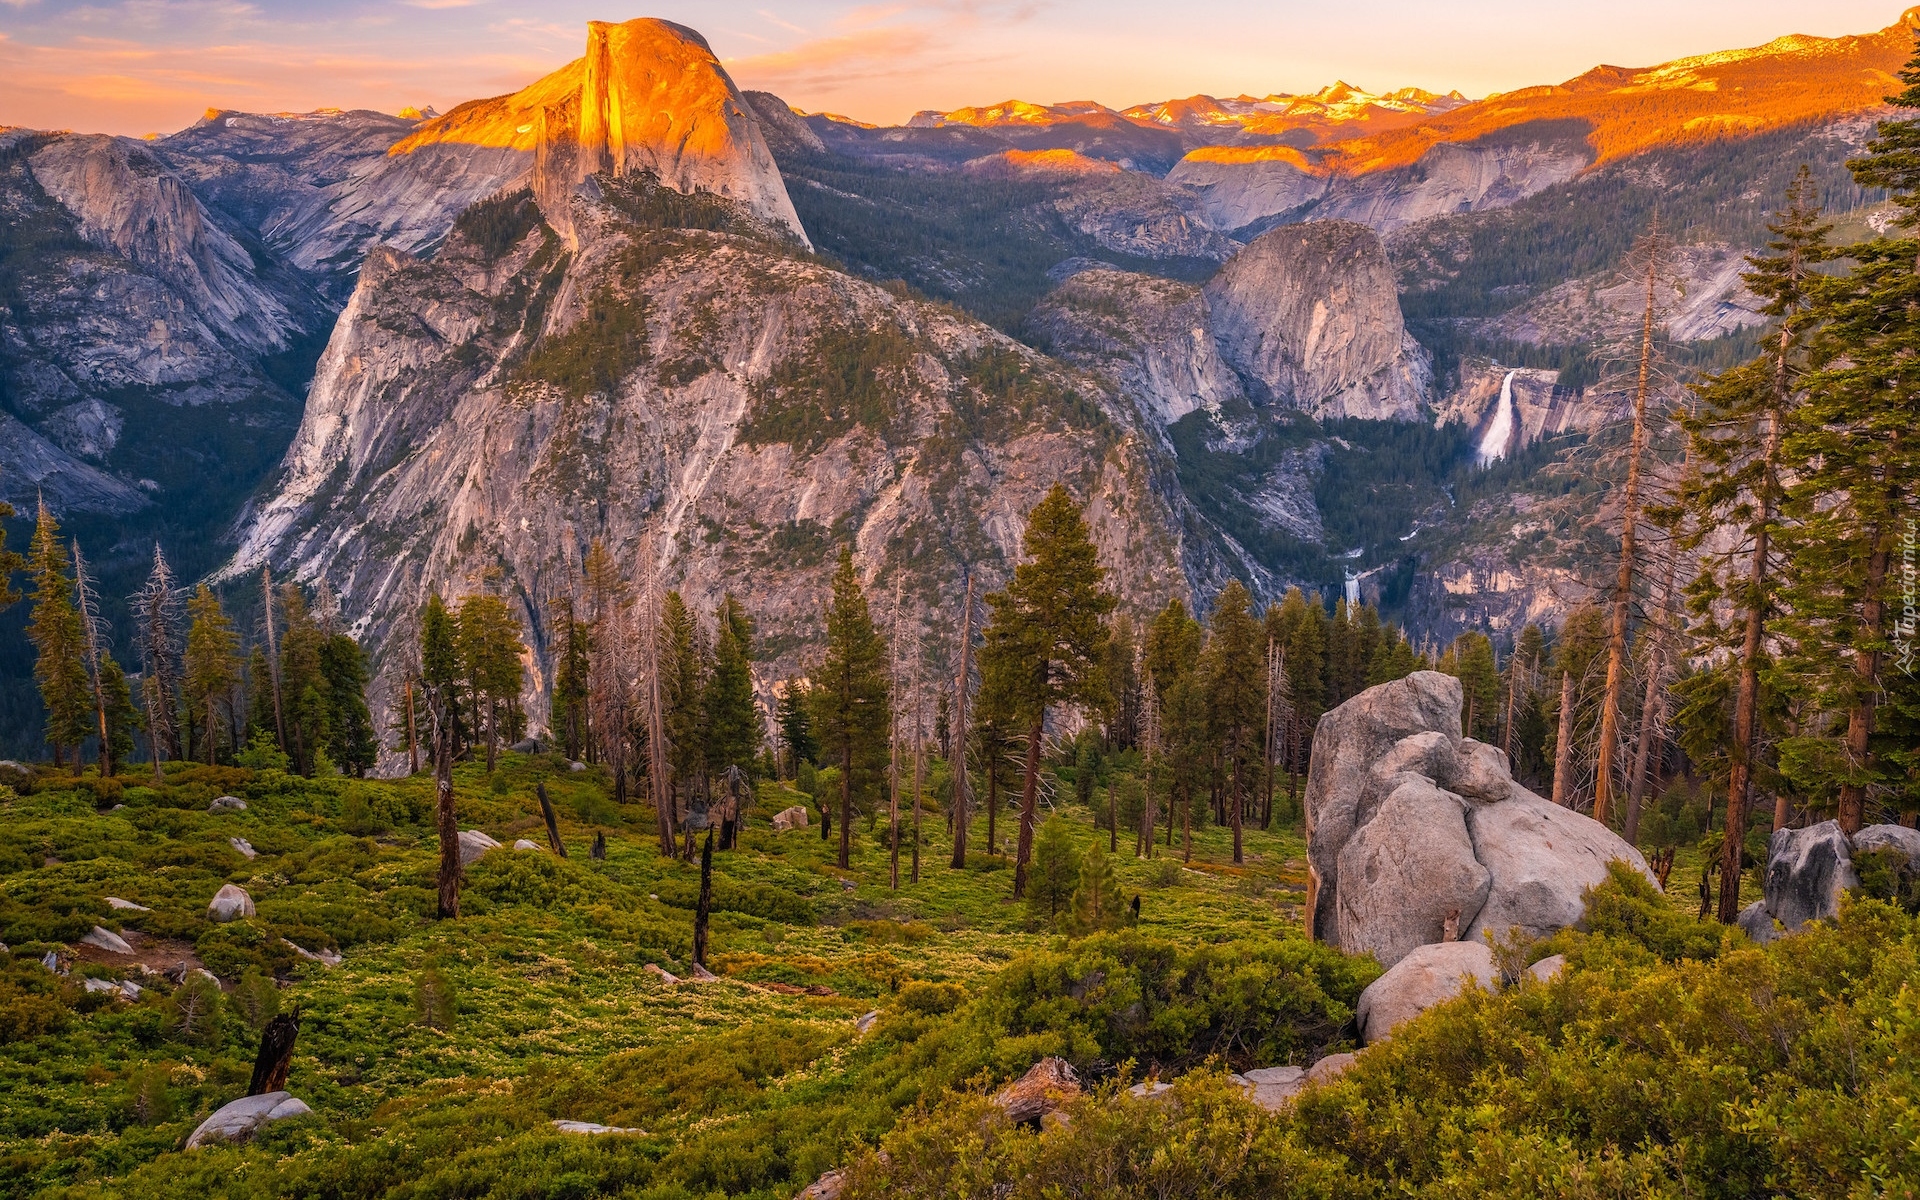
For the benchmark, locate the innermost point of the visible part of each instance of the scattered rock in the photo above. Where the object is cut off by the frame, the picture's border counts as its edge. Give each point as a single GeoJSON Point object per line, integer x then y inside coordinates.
{"type": "Point", "coordinates": [1149, 1089]}
{"type": "Point", "coordinates": [125, 989]}
{"type": "Point", "coordinates": [1428, 976]}
{"type": "Point", "coordinates": [127, 905]}
{"type": "Point", "coordinates": [526, 746]}
{"type": "Point", "coordinates": [700, 974]}
{"type": "Point", "coordinates": [864, 1021]}
{"type": "Point", "coordinates": [1047, 1086]}
{"type": "Point", "coordinates": [329, 958]}
{"type": "Point", "coordinates": [1808, 870]}
{"type": "Point", "coordinates": [524, 844]}
{"type": "Point", "coordinates": [240, 1120]}
{"type": "Point", "coordinates": [576, 766]}
{"type": "Point", "coordinates": [243, 846]}
{"type": "Point", "coordinates": [473, 844]}
{"type": "Point", "coordinates": [847, 885]}
{"type": "Point", "coordinates": [1329, 1068]}
{"type": "Point", "coordinates": [1549, 968]}
{"type": "Point", "coordinates": [1889, 837]}
{"type": "Point", "coordinates": [1757, 923]}
{"type": "Point", "coordinates": [665, 975]}
{"type": "Point", "coordinates": [1543, 858]}
{"type": "Point", "coordinates": [588, 1127]}
{"type": "Point", "coordinates": [107, 940]}
{"type": "Point", "coordinates": [1272, 1087]}
{"type": "Point", "coordinates": [230, 903]}
{"type": "Point", "coordinates": [827, 1187]}
{"type": "Point", "coordinates": [227, 804]}
{"type": "Point", "coordinates": [790, 818]}
{"type": "Point", "coordinates": [51, 962]}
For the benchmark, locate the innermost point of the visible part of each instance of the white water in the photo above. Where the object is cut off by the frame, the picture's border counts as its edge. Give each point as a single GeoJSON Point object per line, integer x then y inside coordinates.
{"type": "Point", "coordinates": [1493, 443]}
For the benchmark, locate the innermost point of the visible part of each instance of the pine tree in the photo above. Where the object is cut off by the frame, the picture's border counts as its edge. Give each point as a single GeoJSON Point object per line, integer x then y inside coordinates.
{"type": "Point", "coordinates": [212, 668]}
{"type": "Point", "coordinates": [303, 689]}
{"type": "Point", "coordinates": [1735, 437]}
{"type": "Point", "coordinates": [1096, 903]}
{"type": "Point", "coordinates": [93, 634]}
{"type": "Point", "coordinates": [571, 670]}
{"type": "Point", "coordinates": [1236, 682]}
{"type": "Point", "coordinates": [683, 675]}
{"type": "Point", "coordinates": [121, 717]}
{"type": "Point", "coordinates": [796, 726]}
{"type": "Point", "coordinates": [59, 642]}
{"type": "Point", "coordinates": [1047, 638]}
{"type": "Point", "coordinates": [733, 719]}
{"type": "Point", "coordinates": [1470, 659]}
{"type": "Point", "coordinates": [1056, 873]}
{"type": "Point", "coordinates": [1855, 430]}
{"type": "Point", "coordinates": [343, 668]}
{"type": "Point", "coordinates": [490, 658]}
{"type": "Point", "coordinates": [156, 608]}
{"type": "Point", "coordinates": [1123, 685]}
{"type": "Point", "coordinates": [441, 674]}
{"type": "Point", "coordinates": [851, 706]}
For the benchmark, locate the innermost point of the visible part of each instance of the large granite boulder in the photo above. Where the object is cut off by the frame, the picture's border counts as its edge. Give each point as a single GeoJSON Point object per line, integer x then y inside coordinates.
{"type": "Point", "coordinates": [1808, 870]}
{"type": "Point", "coordinates": [794, 817]}
{"type": "Point", "coordinates": [473, 844]}
{"type": "Point", "coordinates": [1346, 744]}
{"type": "Point", "coordinates": [1417, 835]}
{"type": "Point", "coordinates": [240, 1120]}
{"type": "Point", "coordinates": [1887, 837]}
{"type": "Point", "coordinates": [230, 903]}
{"type": "Point", "coordinates": [1427, 976]}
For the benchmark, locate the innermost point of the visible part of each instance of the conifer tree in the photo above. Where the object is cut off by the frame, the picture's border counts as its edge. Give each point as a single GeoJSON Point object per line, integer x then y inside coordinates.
{"type": "Point", "coordinates": [572, 667]}
{"type": "Point", "coordinates": [1236, 697]}
{"type": "Point", "coordinates": [156, 609]}
{"type": "Point", "coordinates": [490, 657]}
{"type": "Point", "coordinates": [733, 719]}
{"type": "Point", "coordinates": [441, 673]}
{"type": "Point", "coordinates": [59, 642]}
{"type": "Point", "coordinates": [1096, 903]}
{"type": "Point", "coordinates": [122, 718]}
{"type": "Point", "coordinates": [93, 637]}
{"type": "Point", "coordinates": [1470, 660]}
{"type": "Point", "coordinates": [343, 669]}
{"type": "Point", "coordinates": [1855, 431]}
{"type": "Point", "coordinates": [212, 667]}
{"type": "Point", "coordinates": [1056, 873]}
{"type": "Point", "coordinates": [683, 678]}
{"type": "Point", "coordinates": [796, 726]}
{"type": "Point", "coordinates": [1047, 638]}
{"type": "Point", "coordinates": [1171, 661]}
{"type": "Point", "coordinates": [303, 689]}
{"type": "Point", "coordinates": [1735, 440]}
{"type": "Point", "coordinates": [851, 706]}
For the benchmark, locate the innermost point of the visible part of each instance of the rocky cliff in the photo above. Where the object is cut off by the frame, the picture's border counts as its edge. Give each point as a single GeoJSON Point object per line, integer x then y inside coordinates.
{"type": "Point", "coordinates": [721, 413]}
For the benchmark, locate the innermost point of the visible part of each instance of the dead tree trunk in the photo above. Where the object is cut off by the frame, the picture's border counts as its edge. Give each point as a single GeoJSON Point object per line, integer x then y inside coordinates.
{"type": "Point", "coordinates": [275, 1058]}
{"type": "Point", "coordinates": [449, 827]}
{"type": "Point", "coordinates": [961, 813]}
{"type": "Point", "coordinates": [553, 826]}
{"type": "Point", "coordinates": [705, 906]}
{"type": "Point", "coordinates": [1563, 745]}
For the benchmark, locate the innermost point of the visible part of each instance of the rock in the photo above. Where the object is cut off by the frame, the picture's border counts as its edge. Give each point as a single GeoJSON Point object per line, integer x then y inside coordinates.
{"type": "Point", "coordinates": [1481, 772]}
{"type": "Point", "coordinates": [865, 1020]}
{"type": "Point", "coordinates": [847, 885]}
{"type": "Point", "coordinates": [127, 905]}
{"type": "Point", "coordinates": [526, 746]}
{"type": "Point", "coordinates": [227, 804]}
{"type": "Point", "coordinates": [244, 847]}
{"type": "Point", "coordinates": [1346, 744]}
{"type": "Point", "coordinates": [1888, 837]}
{"type": "Point", "coordinates": [1408, 872]}
{"type": "Point", "coordinates": [329, 958]}
{"type": "Point", "coordinates": [1548, 969]}
{"type": "Point", "coordinates": [524, 844]}
{"type": "Point", "coordinates": [588, 1127]}
{"type": "Point", "coordinates": [665, 975]}
{"type": "Point", "coordinates": [1428, 976]}
{"type": "Point", "coordinates": [1542, 858]}
{"type": "Point", "coordinates": [790, 818]}
{"type": "Point", "coordinates": [699, 974]}
{"type": "Point", "coordinates": [1048, 1085]}
{"type": "Point", "coordinates": [1310, 314]}
{"type": "Point", "coordinates": [1757, 923]}
{"type": "Point", "coordinates": [576, 766]}
{"type": "Point", "coordinates": [107, 940]}
{"type": "Point", "coordinates": [1808, 870]}
{"type": "Point", "coordinates": [473, 844]}
{"type": "Point", "coordinates": [230, 903]}
{"type": "Point", "coordinates": [241, 1119]}
{"type": "Point", "coordinates": [1329, 1068]}
{"type": "Point", "coordinates": [827, 1187]}
{"type": "Point", "coordinates": [1272, 1087]}
{"type": "Point", "coordinates": [125, 989]}
{"type": "Point", "coordinates": [1149, 1089]}
{"type": "Point", "coordinates": [51, 962]}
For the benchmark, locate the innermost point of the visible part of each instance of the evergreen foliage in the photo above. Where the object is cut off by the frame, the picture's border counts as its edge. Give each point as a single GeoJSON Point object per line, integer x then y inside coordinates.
{"type": "Point", "coordinates": [851, 698]}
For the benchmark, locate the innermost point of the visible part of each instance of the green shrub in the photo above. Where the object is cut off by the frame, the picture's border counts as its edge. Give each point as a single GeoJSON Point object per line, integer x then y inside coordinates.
{"type": "Point", "coordinates": [1055, 873]}
{"type": "Point", "coordinates": [434, 1002]}
{"type": "Point", "coordinates": [263, 754]}
{"type": "Point", "coordinates": [197, 1011]}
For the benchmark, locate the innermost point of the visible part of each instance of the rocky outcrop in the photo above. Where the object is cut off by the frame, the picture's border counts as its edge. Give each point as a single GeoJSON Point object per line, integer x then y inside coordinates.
{"type": "Point", "coordinates": [240, 1120]}
{"type": "Point", "coordinates": [1417, 836]}
{"type": "Point", "coordinates": [792, 817]}
{"type": "Point", "coordinates": [1310, 316]}
{"type": "Point", "coordinates": [1808, 871]}
{"type": "Point", "coordinates": [1427, 976]}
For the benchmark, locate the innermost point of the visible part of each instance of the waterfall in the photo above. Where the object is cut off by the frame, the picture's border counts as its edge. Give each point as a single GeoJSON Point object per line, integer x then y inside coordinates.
{"type": "Point", "coordinates": [1493, 444]}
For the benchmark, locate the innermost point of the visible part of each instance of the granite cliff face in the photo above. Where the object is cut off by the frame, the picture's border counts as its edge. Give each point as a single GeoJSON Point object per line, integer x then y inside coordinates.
{"type": "Point", "coordinates": [716, 410]}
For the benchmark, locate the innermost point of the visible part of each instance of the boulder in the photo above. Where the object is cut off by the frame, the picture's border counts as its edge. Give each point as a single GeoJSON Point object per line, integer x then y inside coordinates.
{"type": "Point", "coordinates": [1543, 858]}
{"type": "Point", "coordinates": [1048, 1085]}
{"type": "Point", "coordinates": [827, 1187]}
{"type": "Point", "coordinates": [1808, 870]}
{"type": "Point", "coordinates": [524, 844]}
{"type": "Point", "coordinates": [107, 940]}
{"type": "Point", "coordinates": [1428, 976]}
{"type": "Point", "coordinates": [790, 818]}
{"type": "Point", "coordinates": [1888, 837]}
{"type": "Point", "coordinates": [227, 804]}
{"type": "Point", "coordinates": [1757, 923]}
{"type": "Point", "coordinates": [526, 746]}
{"type": "Point", "coordinates": [127, 905]}
{"type": "Point", "coordinates": [1329, 1068]}
{"type": "Point", "coordinates": [125, 989]}
{"type": "Point", "coordinates": [473, 844]}
{"type": "Point", "coordinates": [326, 958]}
{"type": "Point", "coordinates": [1346, 744]}
{"type": "Point", "coordinates": [865, 1020]}
{"type": "Point", "coordinates": [1407, 872]}
{"type": "Point", "coordinates": [240, 1120]}
{"type": "Point", "coordinates": [230, 903]}
{"type": "Point", "coordinates": [1548, 969]}
{"type": "Point", "coordinates": [1149, 1089]}
{"type": "Point", "coordinates": [576, 766]}
{"type": "Point", "coordinates": [1481, 772]}
{"type": "Point", "coordinates": [244, 847]}
{"type": "Point", "coordinates": [1272, 1087]}
{"type": "Point", "coordinates": [588, 1127]}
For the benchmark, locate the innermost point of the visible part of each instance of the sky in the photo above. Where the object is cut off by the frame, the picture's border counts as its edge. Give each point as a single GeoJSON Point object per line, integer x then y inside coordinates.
{"type": "Point", "coordinates": [138, 66]}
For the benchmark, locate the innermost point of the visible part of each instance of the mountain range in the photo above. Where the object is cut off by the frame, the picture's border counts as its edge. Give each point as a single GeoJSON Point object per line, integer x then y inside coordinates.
{"type": "Point", "coordinates": [631, 303]}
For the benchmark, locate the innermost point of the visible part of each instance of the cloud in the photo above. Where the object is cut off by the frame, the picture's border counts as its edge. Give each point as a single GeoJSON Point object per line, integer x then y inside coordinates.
{"type": "Point", "coordinates": [441, 3]}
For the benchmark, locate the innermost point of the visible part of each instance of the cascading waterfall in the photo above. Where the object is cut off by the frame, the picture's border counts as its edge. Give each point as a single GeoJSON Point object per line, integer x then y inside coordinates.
{"type": "Point", "coordinates": [1493, 443]}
